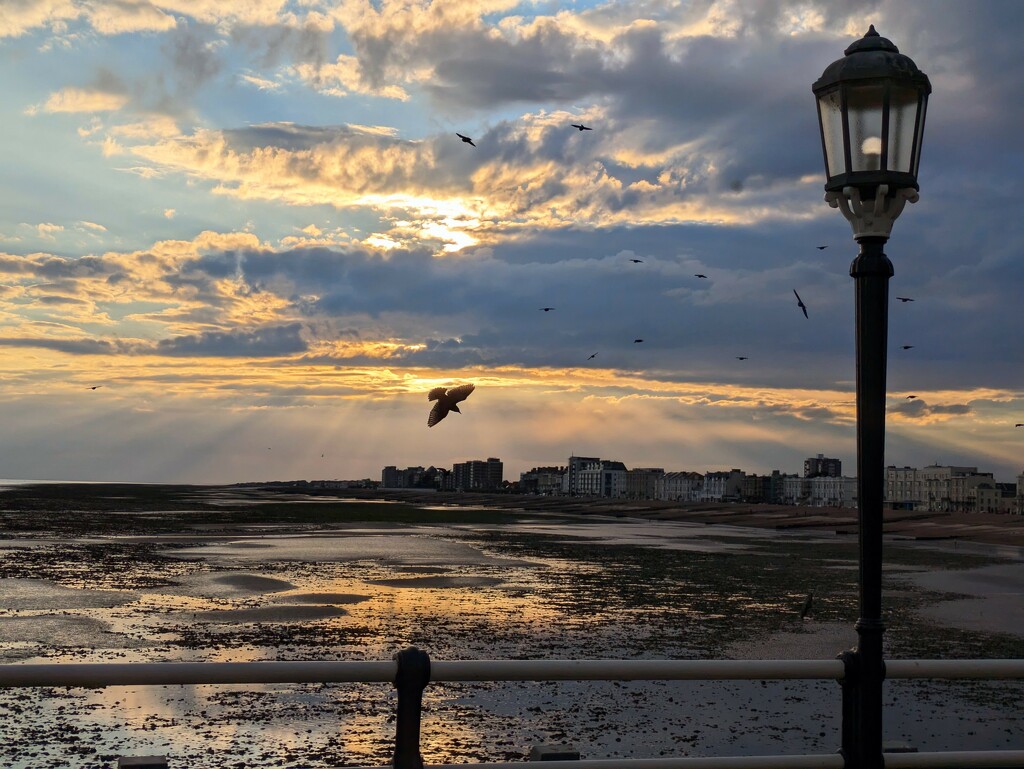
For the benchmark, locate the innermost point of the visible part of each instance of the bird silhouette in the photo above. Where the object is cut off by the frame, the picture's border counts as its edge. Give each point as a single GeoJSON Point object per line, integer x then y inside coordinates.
{"type": "Point", "coordinates": [1019, 424]}
{"type": "Point", "coordinates": [637, 341]}
{"type": "Point", "coordinates": [466, 139]}
{"type": "Point", "coordinates": [911, 397]}
{"type": "Point", "coordinates": [822, 248]}
{"type": "Point", "coordinates": [95, 387]}
{"type": "Point", "coordinates": [447, 399]}
{"type": "Point", "coordinates": [592, 356]}
{"type": "Point", "coordinates": [800, 303]}
{"type": "Point", "coordinates": [546, 309]}
{"type": "Point", "coordinates": [637, 261]}
{"type": "Point", "coordinates": [904, 298]}
{"type": "Point", "coordinates": [807, 606]}
{"type": "Point", "coordinates": [581, 127]}
{"type": "Point", "coordinates": [741, 357]}
{"type": "Point", "coordinates": [908, 347]}
{"type": "Point", "coordinates": [698, 275]}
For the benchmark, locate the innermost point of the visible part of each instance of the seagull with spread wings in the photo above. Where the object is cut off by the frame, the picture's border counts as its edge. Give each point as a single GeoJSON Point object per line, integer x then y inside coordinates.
{"type": "Point", "coordinates": [800, 303]}
{"type": "Point", "coordinates": [448, 399]}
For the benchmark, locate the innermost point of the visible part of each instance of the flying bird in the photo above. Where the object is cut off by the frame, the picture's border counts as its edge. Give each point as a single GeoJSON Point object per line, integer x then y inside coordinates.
{"type": "Point", "coordinates": [904, 298]}
{"type": "Point", "coordinates": [741, 357]}
{"type": "Point", "coordinates": [698, 275]}
{"type": "Point", "coordinates": [821, 248]}
{"type": "Point", "coordinates": [800, 303]}
{"type": "Point", "coordinates": [637, 341]}
{"type": "Point", "coordinates": [908, 347]}
{"type": "Point", "coordinates": [581, 127]}
{"type": "Point", "coordinates": [95, 387]}
{"type": "Point", "coordinates": [637, 261]}
{"type": "Point", "coordinates": [447, 399]}
{"type": "Point", "coordinates": [911, 397]}
{"type": "Point", "coordinates": [592, 356]}
{"type": "Point", "coordinates": [546, 309]}
{"type": "Point", "coordinates": [466, 139]}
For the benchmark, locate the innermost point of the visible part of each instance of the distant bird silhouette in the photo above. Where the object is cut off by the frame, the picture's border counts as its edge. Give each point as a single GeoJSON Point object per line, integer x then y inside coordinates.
{"type": "Point", "coordinates": [592, 356]}
{"type": "Point", "coordinates": [904, 298]}
{"type": "Point", "coordinates": [581, 127]}
{"type": "Point", "coordinates": [800, 303]}
{"type": "Point", "coordinates": [911, 397]}
{"type": "Point", "coordinates": [741, 357]}
{"type": "Point", "coordinates": [698, 275]}
{"type": "Point", "coordinates": [637, 261]}
{"type": "Point", "coordinates": [95, 387]}
{"type": "Point", "coordinates": [908, 347]}
{"type": "Point", "coordinates": [807, 606]}
{"type": "Point", "coordinates": [637, 341]}
{"type": "Point", "coordinates": [821, 248]}
{"type": "Point", "coordinates": [447, 400]}
{"type": "Point", "coordinates": [466, 139]}
{"type": "Point", "coordinates": [1019, 424]}
{"type": "Point", "coordinates": [546, 309]}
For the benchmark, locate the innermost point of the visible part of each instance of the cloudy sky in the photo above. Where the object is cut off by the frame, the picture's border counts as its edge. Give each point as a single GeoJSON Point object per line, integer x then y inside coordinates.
{"type": "Point", "coordinates": [252, 223]}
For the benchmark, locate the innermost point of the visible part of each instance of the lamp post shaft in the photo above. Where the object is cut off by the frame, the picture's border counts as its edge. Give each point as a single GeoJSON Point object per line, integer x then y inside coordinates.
{"type": "Point", "coordinates": [871, 271]}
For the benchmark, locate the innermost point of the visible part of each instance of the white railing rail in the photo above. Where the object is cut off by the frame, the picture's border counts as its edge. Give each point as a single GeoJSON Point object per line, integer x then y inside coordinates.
{"type": "Point", "coordinates": [412, 670]}
{"type": "Point", "coordinates": [157, 673]}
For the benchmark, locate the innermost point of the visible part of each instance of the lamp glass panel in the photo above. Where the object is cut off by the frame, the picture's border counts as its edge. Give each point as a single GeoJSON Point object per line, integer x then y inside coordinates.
{"type": "Point", "coordinates": [830, 109]}
{"type": "Point", "coordinates": [864, 106]}
{"type": "Point", "coordinates": [920, 131]}
{"type": "Point", "coordinates": [902, 118]}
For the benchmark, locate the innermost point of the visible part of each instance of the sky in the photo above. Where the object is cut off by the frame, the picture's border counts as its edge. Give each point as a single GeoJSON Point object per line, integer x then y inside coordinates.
{"type": "Point", "coordinates": [251, 224]}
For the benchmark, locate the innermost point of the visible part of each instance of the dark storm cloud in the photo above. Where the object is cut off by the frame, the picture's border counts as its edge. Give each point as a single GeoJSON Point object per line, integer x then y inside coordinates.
{"type": "Point", "coordinates": [71, 346]}
{"type": "Point", "coordinates": [266, 342]}
{"type": "Point", "coordinates": [269, 341]}
{"type": "Point", "coordinates": [919, 409]}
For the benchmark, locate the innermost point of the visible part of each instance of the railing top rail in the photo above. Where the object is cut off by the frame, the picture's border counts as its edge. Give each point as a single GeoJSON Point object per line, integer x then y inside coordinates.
{"type": "Point", "coordinates": [974, 669]}
{"type": "Point", "coordinates": [157, 673]}
{"type": "Point", "coordinates": [816, 761]}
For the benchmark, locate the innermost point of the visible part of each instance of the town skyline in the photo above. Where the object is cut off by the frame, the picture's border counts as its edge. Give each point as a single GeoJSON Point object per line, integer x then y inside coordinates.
{"type": "Point", "coordinates": [246, 238]}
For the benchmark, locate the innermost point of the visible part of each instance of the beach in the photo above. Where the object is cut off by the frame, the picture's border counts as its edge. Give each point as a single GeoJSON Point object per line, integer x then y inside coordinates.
{"type": "Point", "coordinates": [221, 574]}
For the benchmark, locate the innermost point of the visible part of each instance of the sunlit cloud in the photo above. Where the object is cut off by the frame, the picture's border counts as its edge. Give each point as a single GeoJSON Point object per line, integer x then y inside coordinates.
{"type": "Point", "coordinates": [84, 100]}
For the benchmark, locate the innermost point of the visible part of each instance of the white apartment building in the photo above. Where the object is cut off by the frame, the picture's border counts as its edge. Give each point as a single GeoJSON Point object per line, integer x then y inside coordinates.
{"type": "Point", "coordinates": [682, 487]}
{"type": "Point", "coordinates": [825, 491]}
{"type": "Point", "coordinates": [572, 482]}
{"type": "Point", "coordinates": [722, 485]}
{"type": "Point", "coordinates": [594, 477]}
{"type": "Point", "coordinates": [796, 490]}
{"type": "Point", "coordinates": [939, 488]}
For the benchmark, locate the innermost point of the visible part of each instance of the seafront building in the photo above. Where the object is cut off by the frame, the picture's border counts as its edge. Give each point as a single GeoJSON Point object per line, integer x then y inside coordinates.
{"type": "Point", "coordinates": [815, 467]}
{"type": "Point", "coordinates": [935, 488]}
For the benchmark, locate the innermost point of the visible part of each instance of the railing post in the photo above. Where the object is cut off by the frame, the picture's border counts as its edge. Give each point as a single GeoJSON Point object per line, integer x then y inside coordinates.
{"type": "Point", "coordinates": [411, 679]}
{"type": "Point", "coordinates": [850, 749]}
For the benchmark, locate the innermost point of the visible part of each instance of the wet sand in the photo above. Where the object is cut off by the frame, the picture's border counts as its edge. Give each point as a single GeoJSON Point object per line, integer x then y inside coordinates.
{"type": "Point", "coordinates": [254, 587]}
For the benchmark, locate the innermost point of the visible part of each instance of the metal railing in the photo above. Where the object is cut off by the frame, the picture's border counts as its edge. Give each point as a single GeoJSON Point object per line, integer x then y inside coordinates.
{"type": "Point", "coordinates": [412, 670]}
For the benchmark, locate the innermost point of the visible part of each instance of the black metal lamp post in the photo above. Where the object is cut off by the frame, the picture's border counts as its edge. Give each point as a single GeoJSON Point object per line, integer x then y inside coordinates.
{"type": "Point", "coordinates": [871, 109]}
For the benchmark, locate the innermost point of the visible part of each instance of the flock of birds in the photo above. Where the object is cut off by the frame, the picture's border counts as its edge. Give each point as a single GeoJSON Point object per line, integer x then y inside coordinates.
{"type": "Point", "coordinates": [447, 399]}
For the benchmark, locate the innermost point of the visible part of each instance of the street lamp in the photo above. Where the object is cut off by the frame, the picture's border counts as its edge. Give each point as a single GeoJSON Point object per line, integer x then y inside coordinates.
{"type": "Point", "coordinates": [871, 109]}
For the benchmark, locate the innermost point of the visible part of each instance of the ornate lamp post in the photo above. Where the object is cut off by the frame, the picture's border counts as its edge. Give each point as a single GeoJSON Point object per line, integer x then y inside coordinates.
{"type": "Point", "coordinates": [871, 109]}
